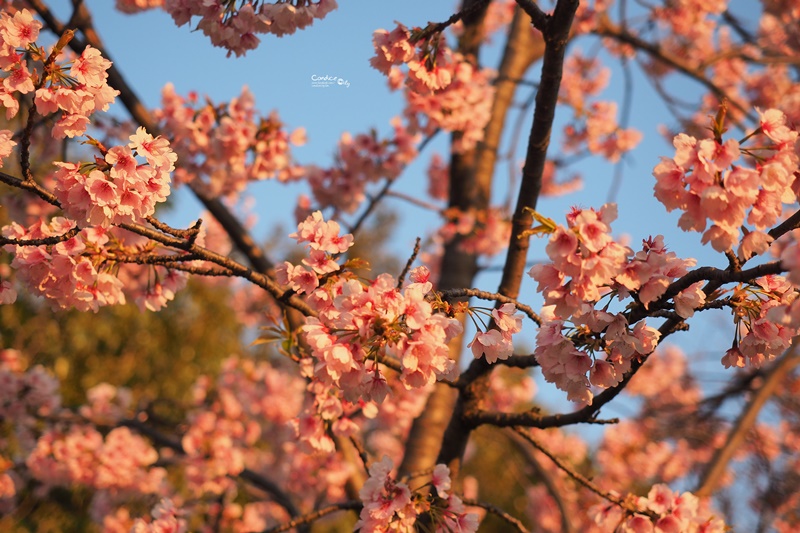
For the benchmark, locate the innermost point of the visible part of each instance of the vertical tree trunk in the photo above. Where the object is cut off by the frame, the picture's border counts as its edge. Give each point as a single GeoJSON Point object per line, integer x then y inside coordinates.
{"type": "Point", "coordinates": [471, 175]}
{"type": "Point", "coordinates": [556, 31]}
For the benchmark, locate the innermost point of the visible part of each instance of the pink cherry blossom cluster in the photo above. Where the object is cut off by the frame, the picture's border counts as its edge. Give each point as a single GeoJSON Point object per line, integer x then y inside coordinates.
{"type": "Point", "coordinates": [442, 89]}
{"type": "Point", "coordinates": [585, 253]}
{"type": "Point", "coordinates": [236, 28]}
{"type": "Point", "coordinates": [764, 313]}
{"type": "Point", "coordinates": [80, 273]}
{"type": "Point", "coordinates": [166, 518]}
{"type": "Point", "coordinates": [692, 25]}
{"type": "Point", "coordinates": [702, 182]}
{"type": "Point", "coordinates": [391, 506]}
{"type": "Point", "coordinates": [323, 242]}
{"type": "Point", "coordinates": [790, 258]}
{"type": "Point", "coordinates": [359, 161]}
{"type": "Point", "coordinates": [118, 189]}
{"type": "Point", "coordinates": [599, 131]}
{"type": "Point", "coordinates": [384, 421]}
{"type": "Point", "coordinates": [490, 233]}
{"type": "Point", "coordinates": [6, 145]}
{"type": "Point", "coordinates": [510, 389]}
{"type": "Point", "coordinates": [151, 287]}
{"type": "Point", "coordinates": [136, 6]}
{"type": "Point", "coordinates": [675, 513]}
{"type": "Point", "coordinates": [594, 124]}
{"type": "Point", "coordinates": [122, 461]}
{"type": "Point", "coordinates": [106, 404]}
{"type": "Point", "coordinates": [595, 264]}
{"type": "Point", "coordinates": [429, 60]}
{"type": "Point", "coordinates": [228, 420]}
{"type": "Point", "coordinates": [633, 453]}
{"type": "Point", "coordinates": [26, 396]}
{"type": "Point", "coordinates": [484, 232]}
{"type": "Point", "coordinates": [215, 447]}
{"type": "Point", "coordinates": [650, 271]}
{"type": "Point", "coordinates": [463, 105]}
{"type": "Point", "coordinates": [249, 404]}
{"type": "Point", "coordinates": [588, 13]}
{"type": "Point", "coordinates": [499, 15]}
{"type": "Point", "coordinates": [329, 414]}
{"type": "Point", "coordinates": [387, 431]}
{"type": "Point", "coordinates": [8, 294]}
{"type": "Point", "coordinates": [227, 146]}
{"type": "Point", "coordinates": [587, 263]}
{"type": "Point", "coordinates": [67, 273]}
{"type": "Point", "coordinates": [496, 343]}
{"type": "Point", "coordinates": [583, 77]}
{"type": "Point", "coordinates": [75, 90]}
{"type": "Point", "coordinates": [358, 324]}
{"type": "Point", "coordinates": [438, 178]}
{"type": "Point", "coordinates": [567, 366]}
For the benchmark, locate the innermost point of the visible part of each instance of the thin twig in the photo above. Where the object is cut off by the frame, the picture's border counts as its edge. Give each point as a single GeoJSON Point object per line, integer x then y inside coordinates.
{"type": "Point", "coordinates": [401, 278]}
{"type": "Point", "coordinates": [579, 477]}
{"type": "Point", "coordinates": [315, 515]}
{"type": "Point", "coordinates": [606, 28]}
{"type": "Point", "coordinates": [40, 242]}
{"type": "Point", "coordinates": [434, 28]}
{"type": "Point", "coordinates": [492, 296]}
{"type": "Point", "coordinates": [519, 526]}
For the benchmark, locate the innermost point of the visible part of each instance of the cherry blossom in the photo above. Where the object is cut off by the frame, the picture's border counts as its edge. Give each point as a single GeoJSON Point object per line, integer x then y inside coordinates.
{"type": "Point", "coordinates": [702, 181]}
{"type": "Point", "coordinates": [357, 362]}
{"type": "Point", "coordinates": [225, 147]}
{"type": "Point", "coordinates": [236, 29]}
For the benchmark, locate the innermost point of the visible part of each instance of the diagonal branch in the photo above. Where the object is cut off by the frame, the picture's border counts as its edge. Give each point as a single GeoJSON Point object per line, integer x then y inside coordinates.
{"type": "Point", "coordinates": [606, 28]}
{"type": "Point", "coordinates": [625, 504]}
{"type": "Point", "coordinates": [539, 17]}
{"type": "Point", "coordinates": [516, 524]}
{"type": "Point", "coordinates": [186, 245]}
{"type": "Point", "coordinates": [546, 479]}
{"type": "Point", "coordinates": [719, 463]}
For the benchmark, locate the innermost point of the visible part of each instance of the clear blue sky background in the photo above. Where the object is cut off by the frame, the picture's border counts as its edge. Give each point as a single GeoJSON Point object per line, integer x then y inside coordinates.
{"type": "Point", "coordinates": [151, 51]}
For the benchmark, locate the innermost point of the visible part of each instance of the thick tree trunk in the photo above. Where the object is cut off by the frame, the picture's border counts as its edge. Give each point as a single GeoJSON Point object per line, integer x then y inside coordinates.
{"type": "Point", "coordinates": [471, 176]}
{"type": "Point", "coordinates": [556, 31]}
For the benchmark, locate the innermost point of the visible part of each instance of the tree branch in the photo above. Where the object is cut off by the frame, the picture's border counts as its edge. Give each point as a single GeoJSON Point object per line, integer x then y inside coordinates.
{"type": "Point", "coordinates": [538, 17]}
{"type": "Point", "coordinates": [606, 28]}
{"type": "Point", "coordinates": [516, 524]}
{"type": "Point", "coordinates": [556, 37]}
{"type": "Point", "coordinates": [239, 236]}
{"type": "Point", "coordinates": [719, 463]}
{"type": "Point", "coordinates": [257, 480]}
{"type": "Point", "coordinates": [315, 515]}
{"type": "Point", "coordinates": [631, 508]}
{"type": "Point", "coordinates": [492, 296]}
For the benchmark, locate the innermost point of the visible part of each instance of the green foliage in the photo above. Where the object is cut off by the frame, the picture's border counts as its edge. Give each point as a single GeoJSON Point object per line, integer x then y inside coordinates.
{"type": "Point", "coordinates": [156, 355]}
